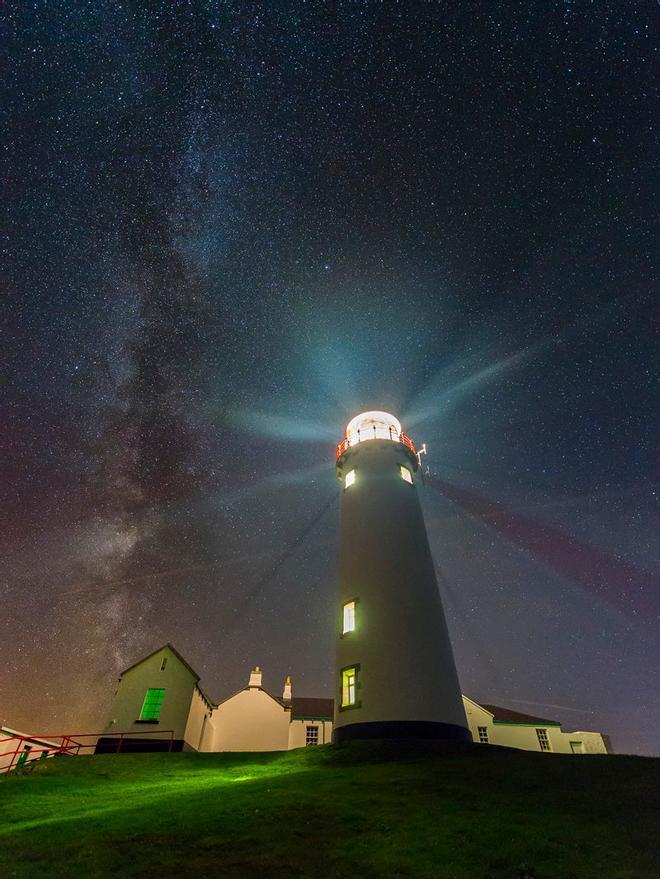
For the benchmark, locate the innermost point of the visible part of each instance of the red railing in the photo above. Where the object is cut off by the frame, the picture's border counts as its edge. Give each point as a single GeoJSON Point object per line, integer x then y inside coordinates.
{"type": "Point", "coordinates": [361, 436]}
{"type": "Point", "coordinates": [27, 749]}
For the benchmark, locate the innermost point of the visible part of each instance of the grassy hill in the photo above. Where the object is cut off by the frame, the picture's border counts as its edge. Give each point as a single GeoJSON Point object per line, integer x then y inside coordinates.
{"type": "Point", "coordinates": [366, 810]}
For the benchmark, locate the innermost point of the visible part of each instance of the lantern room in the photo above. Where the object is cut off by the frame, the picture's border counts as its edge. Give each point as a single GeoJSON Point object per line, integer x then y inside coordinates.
{"type": "Point", "coordinates": [371, 426]}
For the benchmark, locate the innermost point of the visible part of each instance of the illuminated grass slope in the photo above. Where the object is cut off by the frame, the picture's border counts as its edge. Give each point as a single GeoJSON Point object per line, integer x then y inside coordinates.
{"type": "Point", "coordinates": [362, 811]}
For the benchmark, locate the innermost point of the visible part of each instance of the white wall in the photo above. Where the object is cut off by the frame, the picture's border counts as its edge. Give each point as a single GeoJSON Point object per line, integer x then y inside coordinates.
{"type": "Point", "coordinates": [581, 743]}
{"type": "Point", "coordinates": [298, 732]}
{"type": "Point", "coordinates": [523, 736]}
{"type": "Point", "coordinates": [199, 729]}
{"type": "Point", "coordinates": [251, 720]}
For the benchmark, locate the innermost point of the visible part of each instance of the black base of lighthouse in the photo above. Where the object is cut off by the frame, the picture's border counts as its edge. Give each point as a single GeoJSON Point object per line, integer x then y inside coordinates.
{"type": "Point", "coordinates": [402, 730]}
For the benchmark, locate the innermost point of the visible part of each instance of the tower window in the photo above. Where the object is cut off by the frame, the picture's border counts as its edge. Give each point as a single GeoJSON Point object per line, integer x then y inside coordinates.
{"type": "Point", "coordinates": [349, 479]}
{"type": "Point", "coordinates": [312, 735]}
{"type": "Point", "coordinates": [163, 663]}
{"type": "Point", "coordinates": [349, 617]}
{"type": "Point", "coordinates": [483, 734]}
{"type": "Point", "coordinates": [406, 475]}
{"type": "Point", "coordinates": [349, 686]}
{"type": "Point", "coordinates": [542, 735]}
{"type": "Point", "coordinates": [152, 704]}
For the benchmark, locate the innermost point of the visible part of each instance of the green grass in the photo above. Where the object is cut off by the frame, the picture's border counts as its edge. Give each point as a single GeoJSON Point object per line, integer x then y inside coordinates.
{"type": "Point", "coordinates": [368, 810]}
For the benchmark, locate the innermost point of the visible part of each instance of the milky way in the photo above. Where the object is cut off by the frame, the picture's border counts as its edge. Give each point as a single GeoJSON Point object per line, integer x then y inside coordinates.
{"type": "Point", "coordinates": [231, 227]}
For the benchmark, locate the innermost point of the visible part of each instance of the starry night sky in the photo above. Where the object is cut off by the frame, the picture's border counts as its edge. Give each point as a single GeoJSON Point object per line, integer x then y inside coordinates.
{"type": "Point", "coordinates": [233, 226]}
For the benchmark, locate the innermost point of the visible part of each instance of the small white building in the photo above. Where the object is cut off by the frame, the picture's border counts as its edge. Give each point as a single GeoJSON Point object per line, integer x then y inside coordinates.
{"type": "Point", "coordinates": [492, 725]}
{"type": "Point", "coordinates": [17, 748]}
{"type": "Point", "coordinates": [254, 720]}
{"type": "Point", "coordinates": [159, 705]}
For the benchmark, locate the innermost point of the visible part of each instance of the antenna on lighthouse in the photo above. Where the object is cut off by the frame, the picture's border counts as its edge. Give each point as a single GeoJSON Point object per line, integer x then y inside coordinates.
{"type": "Point", "coordinates": [421, 452]}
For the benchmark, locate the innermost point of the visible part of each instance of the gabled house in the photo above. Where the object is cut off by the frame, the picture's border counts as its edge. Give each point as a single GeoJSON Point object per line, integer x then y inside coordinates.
{"type": "Point", "coordinates": [492, 725]}
{"type": "Point", "coordinates": [159, 693]}
{"type": "Point", "coordinates": [254, 720]}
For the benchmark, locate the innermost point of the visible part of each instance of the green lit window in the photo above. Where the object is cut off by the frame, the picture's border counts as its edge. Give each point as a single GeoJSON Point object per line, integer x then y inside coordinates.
{"type": "Point", "coordinates": [350, 479]}
{"type": "Point", "coordinates": [349, 685]}
{"type": "Point", "coordinates": [348, 624]}
{"type": "Point", "coordinates": [152, 704]}
{"type": "Point", "coordinates": [406, 475]}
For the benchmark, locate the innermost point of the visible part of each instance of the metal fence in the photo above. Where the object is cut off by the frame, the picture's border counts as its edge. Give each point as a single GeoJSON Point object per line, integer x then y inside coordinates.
{"type": "Point", "coordinates": [19, 750]}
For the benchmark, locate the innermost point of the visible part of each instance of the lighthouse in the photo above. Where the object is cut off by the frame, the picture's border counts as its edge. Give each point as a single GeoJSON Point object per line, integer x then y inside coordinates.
{"type": "Point", "coordinates": [395, 676]}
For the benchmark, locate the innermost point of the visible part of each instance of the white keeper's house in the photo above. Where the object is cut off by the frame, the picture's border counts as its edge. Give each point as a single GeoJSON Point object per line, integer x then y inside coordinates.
{"type": "Point", "coordinates": [159, 705]}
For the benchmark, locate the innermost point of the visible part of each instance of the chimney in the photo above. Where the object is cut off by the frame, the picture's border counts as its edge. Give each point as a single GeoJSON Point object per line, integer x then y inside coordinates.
{"type": "Point", "coordinates": [255, 677]}
{"type": "Point", "coordinates": [286, 693]}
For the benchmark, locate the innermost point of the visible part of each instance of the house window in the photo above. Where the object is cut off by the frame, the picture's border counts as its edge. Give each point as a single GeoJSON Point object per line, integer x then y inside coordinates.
{"type": "Point", "coordinates": [483, 734]}
{"type": "Point", "coordinates": [349, 685]}
{"type": "Point", "coordinates": [312, 735]}
{"type": "Point", "coordinates": [152, 704]}
{"type": "Point", "coordinates": [349, 479]}
{"type": "Point", "coordinates": [163, 663]}
{"type": "Point", "coordinates": [577, 748]}
{"type": "Point", "coordinates": [542, 735]}
{"type": "Point", "coordinates": [406, 475]}
{"type": "Point", "coordinates": [349, 617]}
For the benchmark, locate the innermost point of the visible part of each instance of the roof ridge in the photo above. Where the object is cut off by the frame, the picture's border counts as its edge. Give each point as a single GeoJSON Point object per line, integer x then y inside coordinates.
{"type": "Point", "coordinates": [500, 710]}
{"type": "Point", "coordinates": [171, 646]}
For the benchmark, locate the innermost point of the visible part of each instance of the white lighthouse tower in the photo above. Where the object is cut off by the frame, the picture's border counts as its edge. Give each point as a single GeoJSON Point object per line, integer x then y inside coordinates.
{"type": "Point", "coordinates": [396, 676]}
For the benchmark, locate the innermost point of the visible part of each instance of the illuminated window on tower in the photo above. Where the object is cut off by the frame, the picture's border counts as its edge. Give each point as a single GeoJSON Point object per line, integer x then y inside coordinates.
{"type": "Point", "coordinates": [152, 704]}
{"type": "Point", "coordinates": [406, 475]}
{"type": "Point", "coordinates": [350, 479]}
{"type": "Point", "coordinates": [349, 685]}
{"type": "Point", "coordinates": [349, 617]}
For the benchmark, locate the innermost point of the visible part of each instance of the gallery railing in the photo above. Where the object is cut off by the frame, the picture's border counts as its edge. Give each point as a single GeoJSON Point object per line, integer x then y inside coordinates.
{"type": "Point", "coordinates": [378, 432]}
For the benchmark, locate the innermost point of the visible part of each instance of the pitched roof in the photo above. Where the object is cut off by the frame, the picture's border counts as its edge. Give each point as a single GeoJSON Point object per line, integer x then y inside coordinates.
{"type": "Point", "coordinates": [154, 652]}
{"type": "Point", "coordinates": [258, 689]}
{"type": "Point", "coordinates": [507, 715]}
{"type": "Point", "coordinates": [303, 706]}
